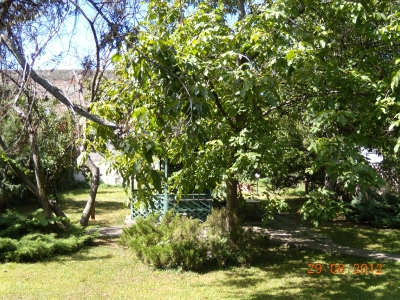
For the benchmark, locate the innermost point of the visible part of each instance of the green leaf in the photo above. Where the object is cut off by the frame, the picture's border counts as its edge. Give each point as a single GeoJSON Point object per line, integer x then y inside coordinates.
{"type": "Point", "coordinates": [116, 58]}
{"type": "Point", "coordinates": [136, 167]}
{"type": "Point", "coordinates": [290, 56]}
{"type": "Point", "coordinates": [395, 80]}
{"type": "Point", "coordinates": [156, 178]}
{"type": "Point", "coordinates": [149, 156]}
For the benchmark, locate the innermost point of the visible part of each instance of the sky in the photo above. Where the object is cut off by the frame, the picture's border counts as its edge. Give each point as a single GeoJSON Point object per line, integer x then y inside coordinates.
{"type": "Point", "coordinates": [75, 40]}
{"type": "Point", "coordinates": [82, 43]}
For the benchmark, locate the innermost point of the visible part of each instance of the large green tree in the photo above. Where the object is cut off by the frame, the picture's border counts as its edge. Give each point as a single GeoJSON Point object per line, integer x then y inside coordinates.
{"type": "Point", "coordinates": [226, 101]}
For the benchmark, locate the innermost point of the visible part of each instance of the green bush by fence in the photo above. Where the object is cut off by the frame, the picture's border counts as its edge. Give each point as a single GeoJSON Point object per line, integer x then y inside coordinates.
{"type": "Point", "coordinates": [181, 242]}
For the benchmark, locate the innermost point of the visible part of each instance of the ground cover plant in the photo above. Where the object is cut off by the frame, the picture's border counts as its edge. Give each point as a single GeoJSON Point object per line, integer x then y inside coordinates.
{"type": "Point", "coordinates": [35, 238]}
{"type": "Point", "coordinates": [26, 235]}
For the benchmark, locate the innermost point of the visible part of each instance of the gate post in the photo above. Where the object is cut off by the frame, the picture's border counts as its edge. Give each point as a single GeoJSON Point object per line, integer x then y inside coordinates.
{"type": "Point", "coordinates": [132, 188]}
{"type": "Point", "coordinates": [165, 207]}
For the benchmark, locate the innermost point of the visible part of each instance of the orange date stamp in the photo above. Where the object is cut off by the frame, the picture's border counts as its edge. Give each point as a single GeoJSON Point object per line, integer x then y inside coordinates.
{"type": "Point", "coordinates": [358, 269]}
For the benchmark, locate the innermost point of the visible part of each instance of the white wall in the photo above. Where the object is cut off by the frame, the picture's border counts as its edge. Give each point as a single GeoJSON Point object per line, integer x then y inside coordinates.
{"type": "Point", "coordinates": [111, 178]}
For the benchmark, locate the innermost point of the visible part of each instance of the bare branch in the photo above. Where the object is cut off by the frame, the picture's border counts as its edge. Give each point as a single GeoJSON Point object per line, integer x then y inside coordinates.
{"type": "Point", "coordinates": [55, 91]}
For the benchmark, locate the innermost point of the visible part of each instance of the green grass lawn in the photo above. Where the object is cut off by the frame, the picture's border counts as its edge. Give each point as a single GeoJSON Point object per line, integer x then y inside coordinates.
{"type": "Point", "coordinates": [361, 236]}
{"type": "Point", "coordinates": [109, 271]}
{"type": "Point", "coordinates": [110, 205]}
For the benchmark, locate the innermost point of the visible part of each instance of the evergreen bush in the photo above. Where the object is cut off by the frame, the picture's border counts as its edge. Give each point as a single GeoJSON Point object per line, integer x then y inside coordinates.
{"type": "Point", "coordinates": [38, 247]}
{"type": "Point", "coordinates": [229, 242]}
{"type": "Point", "coordinates": [15, 225]}
{"type": "Point", "coordinates": [35, 238]}
{"type": "Point", "coordinates": [381, 211]}
{"type": "Point", "coordinates": [181, 242]}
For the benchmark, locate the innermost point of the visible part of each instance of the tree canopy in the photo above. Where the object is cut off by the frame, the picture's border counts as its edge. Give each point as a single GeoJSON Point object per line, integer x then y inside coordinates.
{"type": "Point", "coordinates": [292, 90]}
{"type": "Point", "coordinates": [292, 87]}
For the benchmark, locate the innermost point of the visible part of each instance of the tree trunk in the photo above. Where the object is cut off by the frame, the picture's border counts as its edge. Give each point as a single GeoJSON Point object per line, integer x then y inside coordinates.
{"type": "Point", "coordinates": [242, 12]}
{"type": "Point", "coordinates": [232, 204]}
{"type": "Point", "coordinates": [329, 185]}
{"type": "Point", "coordinates": [306, 185]}
{"type": "Point", "coordinates": [19, 173]}
{"type": "Point", "coordinates": [38, 173]}
{"type": "Point", "coordinates": [90, 205]}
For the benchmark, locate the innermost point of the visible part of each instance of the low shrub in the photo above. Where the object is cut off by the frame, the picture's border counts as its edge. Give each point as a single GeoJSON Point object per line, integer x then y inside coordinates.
{"type": "Point", "coordinates": [15, 225]}
{"type": "Point", "coordinates": [181, 242]}
{"type": "Point", "coordinates": [381, 211]}
{"type": "Point", "coordinates": [36, 238]}
{"type": "Point", "coordinates": [172, 243]}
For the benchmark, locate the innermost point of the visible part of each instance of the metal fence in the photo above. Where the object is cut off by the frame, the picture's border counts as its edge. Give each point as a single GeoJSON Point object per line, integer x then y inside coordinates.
{"type": "Point", "coordinates": [193, 205]}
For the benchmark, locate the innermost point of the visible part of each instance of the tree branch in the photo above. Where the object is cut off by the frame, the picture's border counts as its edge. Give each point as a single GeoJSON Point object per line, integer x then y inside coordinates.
{"type": "Point", "coordinates": [55, 91]}
{"type": "Point", "coordinates": [219, 105]}
{"type": "Point", "coordinates": [271, 109]}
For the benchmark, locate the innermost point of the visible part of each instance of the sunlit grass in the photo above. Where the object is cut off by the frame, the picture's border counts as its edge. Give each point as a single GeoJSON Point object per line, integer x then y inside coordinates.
{"type": "Point", "coordinates": [110, 205]}
{"type": "Point", "coordinates": [111, 272]}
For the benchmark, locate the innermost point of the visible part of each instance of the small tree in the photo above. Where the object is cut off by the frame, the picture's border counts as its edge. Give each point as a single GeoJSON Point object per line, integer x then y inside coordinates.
{"type": "Point", "coordinates": [27, 29]}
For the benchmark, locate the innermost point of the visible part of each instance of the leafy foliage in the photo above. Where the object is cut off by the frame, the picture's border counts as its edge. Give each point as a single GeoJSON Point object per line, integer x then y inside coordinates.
{"type": "Point", "coordinates": [180, 242]}
{"type": "Point", "coordinates": [378, 210]}
{"type": "Point", "coordinates": [55, 133]}
{"type": "Point", "coordinates": [321, 207]}
{"type": "Point", "coordinates": [292, 91]}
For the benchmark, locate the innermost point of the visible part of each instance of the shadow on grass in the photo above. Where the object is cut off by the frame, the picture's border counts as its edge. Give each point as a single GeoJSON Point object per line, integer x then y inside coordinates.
{"type": "Point", "coordinates": [286, 277]}
{"type": "Point", "coordinates": [361, 236]}
{"type": "Point", "coordinates": [101, 206]}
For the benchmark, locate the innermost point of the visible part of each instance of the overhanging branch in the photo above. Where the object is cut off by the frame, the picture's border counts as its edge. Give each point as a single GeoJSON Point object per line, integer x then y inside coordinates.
{"type": "Point", "coordinates": [55, 91]}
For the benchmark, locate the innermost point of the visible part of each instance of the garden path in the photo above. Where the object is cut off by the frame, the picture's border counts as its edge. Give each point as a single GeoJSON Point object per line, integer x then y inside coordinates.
{"type": "Point", "coordinates": [286, 230]}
